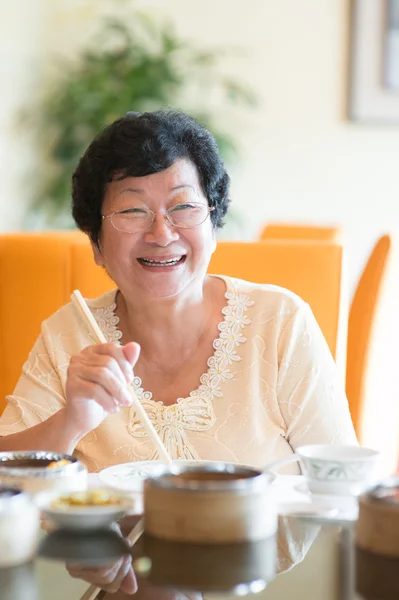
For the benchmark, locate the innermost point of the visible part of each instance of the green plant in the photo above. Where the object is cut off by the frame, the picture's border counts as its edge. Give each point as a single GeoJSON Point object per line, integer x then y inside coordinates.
{"type": "Point", "coordinates": [140, 66]}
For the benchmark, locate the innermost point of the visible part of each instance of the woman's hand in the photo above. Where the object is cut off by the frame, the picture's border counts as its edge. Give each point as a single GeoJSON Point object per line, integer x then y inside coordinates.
{"type": "Point", "coordinates": [96, 384]}
{"type": "Point", "coordinates": [118, 575]}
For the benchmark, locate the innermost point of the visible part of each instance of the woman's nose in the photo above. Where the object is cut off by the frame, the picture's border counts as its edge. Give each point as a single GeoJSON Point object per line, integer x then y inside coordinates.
{"type": "Point", "coordinates": [161, 231]}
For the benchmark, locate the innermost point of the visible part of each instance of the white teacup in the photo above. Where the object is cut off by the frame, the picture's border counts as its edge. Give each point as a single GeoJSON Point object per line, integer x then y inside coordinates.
{"type": "Point", "coordinates": [341, 470]}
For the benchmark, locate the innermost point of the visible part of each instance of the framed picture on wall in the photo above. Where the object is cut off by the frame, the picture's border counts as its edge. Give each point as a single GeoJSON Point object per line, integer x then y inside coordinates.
{"type": "Point", "coordinates": [374, 64]}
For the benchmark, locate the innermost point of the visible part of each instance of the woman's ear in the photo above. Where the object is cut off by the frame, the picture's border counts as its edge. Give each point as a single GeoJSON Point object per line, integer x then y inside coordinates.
{"type": "Point", "coordinates": [97, 254]}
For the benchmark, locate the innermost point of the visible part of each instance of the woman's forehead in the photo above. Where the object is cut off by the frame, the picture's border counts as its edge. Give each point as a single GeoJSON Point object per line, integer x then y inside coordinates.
{"type": "Point", "coordinates": [180, 178]}
{"type": "Point", "coordinates": [181, 173]}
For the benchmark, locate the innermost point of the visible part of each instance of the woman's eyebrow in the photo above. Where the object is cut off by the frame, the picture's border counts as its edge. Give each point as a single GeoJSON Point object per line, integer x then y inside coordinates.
{"type": "Point", "coordinates": [133, 190]}
{"type": "Point", "coordinates": [179, 187]}
{"type": "Point", "coordinates": [142, 192]}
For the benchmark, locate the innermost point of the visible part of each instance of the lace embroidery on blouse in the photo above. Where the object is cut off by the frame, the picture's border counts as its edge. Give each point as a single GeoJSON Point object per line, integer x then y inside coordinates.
{"type": "Point", "coordinates": [194, 413]}
{"type": "Point", "coordinates": [108, 321]}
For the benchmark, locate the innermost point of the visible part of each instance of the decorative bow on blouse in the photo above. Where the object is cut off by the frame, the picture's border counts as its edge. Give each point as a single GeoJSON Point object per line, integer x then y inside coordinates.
{"type": "Point", "coordinates": [172, 422]}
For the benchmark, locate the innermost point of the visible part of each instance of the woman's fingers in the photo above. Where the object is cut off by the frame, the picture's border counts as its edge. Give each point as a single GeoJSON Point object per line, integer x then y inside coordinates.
{"type": "Point", "coordinates": [100, 373]}
{"type": "Point", "coordinates": [111, 578]}
{"type": "Point", "coordinates": [100, 576]}
{"type": "Point", "coordinates": [125, 579]}
{"type": "Point", "coordinates": [102, 376]}
{"type": "Point", "coordinates": [112, 351]}
{"type": "Point", "coordinates": [129, 584]}
{"type": "Point", "coordinates": [93, 391]}
{"type": "Point", "coordinates": [105, 365]}
{"type": "Point", "coordinates": [132, 352]}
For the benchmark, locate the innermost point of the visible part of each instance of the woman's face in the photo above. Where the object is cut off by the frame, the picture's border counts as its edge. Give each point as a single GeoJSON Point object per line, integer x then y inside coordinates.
{"type": "Point", "coordinates": [127, 256]}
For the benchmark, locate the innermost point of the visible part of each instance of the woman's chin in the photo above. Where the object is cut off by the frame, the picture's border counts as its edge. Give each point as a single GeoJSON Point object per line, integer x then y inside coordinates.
{"type": "Point", "coordinates": [164, 290]}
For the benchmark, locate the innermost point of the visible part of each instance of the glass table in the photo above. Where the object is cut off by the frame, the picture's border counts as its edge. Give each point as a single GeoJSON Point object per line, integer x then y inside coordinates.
{"type": "Point", "coordinates": [304, 561]}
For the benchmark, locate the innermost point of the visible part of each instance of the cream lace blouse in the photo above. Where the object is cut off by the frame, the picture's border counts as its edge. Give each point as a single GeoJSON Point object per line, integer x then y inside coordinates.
{"type": "Point", "coordinates": [271, 386]}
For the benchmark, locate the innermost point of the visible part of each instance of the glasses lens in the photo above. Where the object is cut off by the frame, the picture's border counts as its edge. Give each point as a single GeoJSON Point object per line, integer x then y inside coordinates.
{"type": "Point", "coordinates": [188, 215]}
{"type": "Point", "coordinates": [132, 220]}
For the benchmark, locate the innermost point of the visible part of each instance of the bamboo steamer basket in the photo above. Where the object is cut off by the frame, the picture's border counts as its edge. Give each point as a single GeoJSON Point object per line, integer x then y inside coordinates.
{"type": "Point", "coordinates": [218, 503]}
{"type": "Point", "coordinates": [377, 529]}
{"type": "Point", "coordinates": [377, 576]}
{"type": "Point", "coordinates": [207, 568]}
{"type": "Point", "coordinates": [377, 542]}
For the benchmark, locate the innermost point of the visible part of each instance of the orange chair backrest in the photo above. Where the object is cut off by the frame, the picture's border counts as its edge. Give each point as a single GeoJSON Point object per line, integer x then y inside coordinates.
{"type": "Point", "coordinates": [300, 232]}
{"type": "Point", "coordinates": [362, 317]}
{"type": "Point", "coordinates": [38, 272]}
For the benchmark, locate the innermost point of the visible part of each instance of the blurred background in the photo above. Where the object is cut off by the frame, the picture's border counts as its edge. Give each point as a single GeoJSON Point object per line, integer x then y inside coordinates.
{"type": "Point", "coordinates": [285, 86]}
{"type": "Point", "coordinates": [299, 157]}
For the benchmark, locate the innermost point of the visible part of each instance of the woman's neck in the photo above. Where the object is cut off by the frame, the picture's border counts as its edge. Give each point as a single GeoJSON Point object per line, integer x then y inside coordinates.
{"type": "Point", "coordinates": [169, 326]}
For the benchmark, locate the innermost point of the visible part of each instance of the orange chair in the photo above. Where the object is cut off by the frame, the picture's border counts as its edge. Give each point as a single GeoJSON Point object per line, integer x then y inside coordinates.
{"type": "Point", "coordinates": [38, 272]}
{"type": "Point", "coordinates": [300, 232]}
{"type": "Point", "coordinates": [362, 318]}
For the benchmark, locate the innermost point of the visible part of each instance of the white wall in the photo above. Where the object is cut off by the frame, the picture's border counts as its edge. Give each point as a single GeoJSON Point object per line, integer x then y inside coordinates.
{"type": "Point", "coordinates": [20, 68]}
{"type": "Point", "coordinates": [301, 158]}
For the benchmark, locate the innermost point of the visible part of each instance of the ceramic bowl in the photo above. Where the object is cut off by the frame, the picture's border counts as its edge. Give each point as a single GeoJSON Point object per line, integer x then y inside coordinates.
{"type": "Point", "coordinates": [30, 471]}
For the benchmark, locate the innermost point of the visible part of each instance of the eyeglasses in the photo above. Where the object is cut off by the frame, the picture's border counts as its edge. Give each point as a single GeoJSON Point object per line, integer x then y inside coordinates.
{"type": "Point", "coordinates": [184, 216]}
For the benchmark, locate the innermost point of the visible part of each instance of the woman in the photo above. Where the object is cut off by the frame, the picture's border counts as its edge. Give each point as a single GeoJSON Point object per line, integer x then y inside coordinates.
{"type": "Point", "coordinates": [226, 369]}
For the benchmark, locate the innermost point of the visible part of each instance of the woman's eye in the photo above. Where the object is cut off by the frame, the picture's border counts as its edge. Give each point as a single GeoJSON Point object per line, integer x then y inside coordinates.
{"type": "Point", "coordinates": [133, 211]}
{"type": "Point", "coordinates": [186, 206]}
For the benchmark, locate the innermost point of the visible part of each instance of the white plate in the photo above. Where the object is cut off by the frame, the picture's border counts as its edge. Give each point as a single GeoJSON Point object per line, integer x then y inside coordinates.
{"type": "Point", "coordinates": [82, 518]}
{"type": "Point", "coordinates": [129, 477]}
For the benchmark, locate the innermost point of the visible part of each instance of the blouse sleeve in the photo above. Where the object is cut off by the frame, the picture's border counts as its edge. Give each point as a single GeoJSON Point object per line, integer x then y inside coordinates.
{"type": "Point", "coordinates": [38, 393]}
{"type": "Point", "coordinates": [310, 394]}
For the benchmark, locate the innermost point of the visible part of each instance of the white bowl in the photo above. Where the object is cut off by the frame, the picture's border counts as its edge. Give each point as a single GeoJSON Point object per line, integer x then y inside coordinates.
{"type": "Point", "coordinates": [81, 518]}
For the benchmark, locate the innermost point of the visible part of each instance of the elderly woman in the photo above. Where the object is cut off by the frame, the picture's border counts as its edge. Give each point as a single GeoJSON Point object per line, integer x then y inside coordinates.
{"type": "Point", "coordinates": [226, 369]}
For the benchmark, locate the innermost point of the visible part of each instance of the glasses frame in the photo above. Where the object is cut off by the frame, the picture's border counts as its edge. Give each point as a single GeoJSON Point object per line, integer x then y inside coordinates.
{"type": "Point", "coordinates": [165, 214]}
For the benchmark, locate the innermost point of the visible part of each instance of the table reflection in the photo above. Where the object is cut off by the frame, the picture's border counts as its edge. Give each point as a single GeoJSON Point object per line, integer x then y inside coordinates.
{"type": "Point", "coordinates": [159, 570]}
{"type": "Point", "coordinates": [19, 583]}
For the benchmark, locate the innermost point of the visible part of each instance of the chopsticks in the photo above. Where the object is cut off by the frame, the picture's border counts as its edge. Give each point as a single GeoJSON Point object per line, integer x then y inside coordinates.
{"type": "Point", "coordinates": [86, 315]}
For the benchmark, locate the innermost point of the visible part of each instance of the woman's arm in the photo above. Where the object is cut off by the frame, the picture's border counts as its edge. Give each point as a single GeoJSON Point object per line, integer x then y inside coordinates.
{"type": "Point", "coordinates": [41, 414]}
{"type": "Point", "coordinates": [35, 415]}
{"type": "Point", "coordinates": [57, 434]}
{"type": "Point", "coordinates": [310, 392]}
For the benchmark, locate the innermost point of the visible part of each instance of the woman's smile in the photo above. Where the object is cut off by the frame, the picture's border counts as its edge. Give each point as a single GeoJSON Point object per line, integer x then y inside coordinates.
{"type": "Point", "coordinates": [162, 264]}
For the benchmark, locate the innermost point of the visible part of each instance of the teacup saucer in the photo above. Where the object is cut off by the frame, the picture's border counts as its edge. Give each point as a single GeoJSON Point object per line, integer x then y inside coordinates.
{"type": "Point", "coordinates": [306, 510]}
{"type": "Point", "coordinates": [346, 507]}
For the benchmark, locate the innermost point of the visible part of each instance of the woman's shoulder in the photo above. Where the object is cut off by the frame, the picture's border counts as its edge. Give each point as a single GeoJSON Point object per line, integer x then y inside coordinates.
{"type": "Point", "coordinates": [265, 294]}
{"type": "Point", "coordinates": [66, 315]}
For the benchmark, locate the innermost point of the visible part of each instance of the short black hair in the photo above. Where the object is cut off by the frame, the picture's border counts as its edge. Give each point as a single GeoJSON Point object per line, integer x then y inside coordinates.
{"type": "Point", "coordinates": [140, 144]}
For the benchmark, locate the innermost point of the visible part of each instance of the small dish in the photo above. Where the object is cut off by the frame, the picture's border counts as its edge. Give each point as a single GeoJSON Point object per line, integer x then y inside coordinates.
{"type": "Point", "coordinates": [56, 509]}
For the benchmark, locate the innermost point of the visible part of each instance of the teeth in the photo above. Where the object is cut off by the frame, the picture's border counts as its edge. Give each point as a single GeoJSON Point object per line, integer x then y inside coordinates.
{"type": "Point", "coordinates": [172, 261]}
